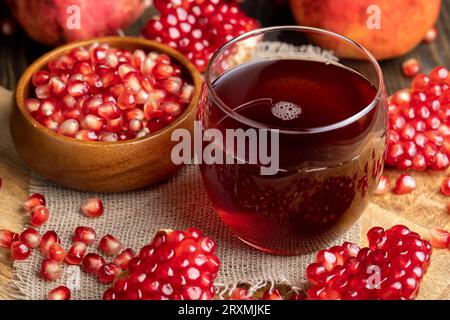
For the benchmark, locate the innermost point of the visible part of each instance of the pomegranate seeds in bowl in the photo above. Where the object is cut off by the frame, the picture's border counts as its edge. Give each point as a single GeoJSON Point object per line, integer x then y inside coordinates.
{"type": "Point", "coordinates": [419, 123]}
{"type": "Point", "coordinates": [197, 28]}
{"type": "Point", "coordinates": [103, 93]}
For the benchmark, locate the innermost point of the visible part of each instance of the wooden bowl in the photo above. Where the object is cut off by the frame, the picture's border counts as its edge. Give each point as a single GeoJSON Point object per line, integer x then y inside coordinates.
{"type": "Point", "coordinates": [99, 166]}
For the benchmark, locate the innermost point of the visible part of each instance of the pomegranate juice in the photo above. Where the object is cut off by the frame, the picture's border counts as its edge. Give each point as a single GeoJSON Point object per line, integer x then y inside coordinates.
{"type": "Point", "coordinates": [331, 147]}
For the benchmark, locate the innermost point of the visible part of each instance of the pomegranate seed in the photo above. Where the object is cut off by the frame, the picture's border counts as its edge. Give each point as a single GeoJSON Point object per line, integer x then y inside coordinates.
{"type": "Point", "coordinates": [56, 252]}
{"type": "Point", "coordinates": [59, 293]}
{"type": "Point", "coordinates": [40, 78]}
{"type": "Point", "coordinates": [138, 58]}
{"type": "Point", "coordinates": [92, 122]}
{"type": "Point", "coordinates": [439, 75]}
{"type": "Point", "coordinates": [32, 104]}
{"type": "Point", "coordinates": [108, 137]}
{"type": "Point", "coordinates": [108, 273]}
{"type": "Point", "coordinates": [124, 258]}
{"type": "Point", "coordinates": [77, 88]}
{"type": "Point", "coordinates": [404, 184]}
{"type": "Point", "coordinates": [47, 107]}
{"type": "Point", "coordinates": [445, 187]}
{"type": "Point", "coordinates": [36, 199]}
{"type": "Point", "coordinates": [114, 125]}
{"type": "Point", "coordinates": [86, 135]}
{"type": "Point", "coordinates": [69, 128]}
{"type": "Point", "coordinates": [85, 234]}
{"type": "Point", "coordinates": [439, 238]}
{"type": "Point", "coordinates": [431, 35]}
{"type": "Point", "coordinates": [31, 238]}
{"type": "Point", "coordinates": [7, 238]}
{"type": "Point", "coordinates": [92, 207]}
{"type": "Point", "coordinates": [240, 294]}
{"type": "Point", "coordinates": [187, 93]}
{"type": "Point", "coordinates": [127, 100]}
{"type": "Point", "coordinates": [411, 67]}
{"type": "Point", "coordinates": [272, 294]}
{"type": "Point", "coordinates": [39, 215]}
{"type": "Point", "coordinates": [383, 186]}
{"type": "Point", "coordinates": [135, 114]}
{"type": "Point", "coordinates": [92, 263]}
{"type": "Point", "coordinates": [175, 265]}
{"type": "Point", "coordinates": [51, 270]}
{"type": "Point", "coordinates": [109, 245]}
{"type": "Point", "coordinates": [19, 250]}
{"type": "Point", "coordinates": [48, 239]}
{"type": "Point", "coordinates": [42, 92]}
{"type": "Point", "coordinates": [132, 82]}
{"type": "Point", "coordinates": [162, 71]}
{"type": "Point", "coordinates": [76, 253]}
{"type": "Point", "coordinates": [108, 110]}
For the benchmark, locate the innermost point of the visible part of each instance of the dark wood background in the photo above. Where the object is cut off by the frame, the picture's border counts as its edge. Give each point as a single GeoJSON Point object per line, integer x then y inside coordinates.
{"type": "Point", "coordinates": [18, 51]}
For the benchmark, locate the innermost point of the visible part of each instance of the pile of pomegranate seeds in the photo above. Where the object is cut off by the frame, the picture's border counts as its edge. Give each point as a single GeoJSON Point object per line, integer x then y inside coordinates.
{"type": "Point", "coordinates": [100, 93]}
{"type": "Point", "coordinates": [391, 268]}
{"type": "Point", "coordinates": [419, 128]}
{"type": "Point", "coordinates": [197, 28]}
{"type": "Point", "coordinates": [175, 265]}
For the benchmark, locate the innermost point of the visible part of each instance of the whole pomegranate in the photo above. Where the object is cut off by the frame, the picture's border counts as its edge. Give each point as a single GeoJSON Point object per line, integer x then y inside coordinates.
{"type": "Point", "coordinates": [58, 21]}
{"type": "Point", "coordinates": [387, 28]}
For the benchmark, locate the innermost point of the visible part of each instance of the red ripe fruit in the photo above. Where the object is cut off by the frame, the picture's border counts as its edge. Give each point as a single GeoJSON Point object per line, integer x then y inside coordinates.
{"type": "Point", "coordinates": [7, 238]}
{"type": "Point", "coordinates": [108, 273]}
{"type": "Point", "coordinates": [48, 239]}
{"type": "Point", "coordinates": [51, 270]}
{"type": "Point", "coordinates": [383, 186]}
{"type": "Point", "coordinates": [20, 251]}
{"type": "Point", "coordinates": [56, 252]}
{"type": "Point", "coordinates": [31, 238]}
{"type": "Point", "coordinates": [34, 200]}
{"type": "Point", "coordinates": [272, 294]}
{"type": "Point", "coordinates": [92, 263]}
{"type": "Point", "coordinates": [59, 293]}
{"type": "Point", "coordinates": [39, 215]}
{"type": "Point", "coordinates": [85, 234]}
{"type": "Point", "coordinates": [76, 253]}
{"type": "Point", "coordinates": [92, 207]}
{"type": "Point", "coordinates": [405, 184]}
{"type": "Point", "coordinates": [410, 67]}
{"type": "Point", "coordinates": [391, 268]}
{"type": "Point", "coordinates": [109, 245]}
{"type": "Point", "coordinates": [175, 265]}
{"type": "Point", "coordinates": [439, 238]}
{"type": "Point", "coordinates": [124, 258]}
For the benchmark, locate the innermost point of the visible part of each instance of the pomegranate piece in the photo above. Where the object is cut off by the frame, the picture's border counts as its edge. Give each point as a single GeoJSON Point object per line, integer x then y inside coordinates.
{"type": "Point", "coordinates": [109, 245]}
{"type": "Point", "coordinates": [48, 239]}
{"type": "Point", "coordinates": [124, 258]}
{"type": "Point", "coordinates": [197, 28]}
{"type": "Point", "coordinates": [19, 250]}
{"type": "Point", "coordinates": [31, 238]}
{"type": "Point", "coordinates": [39, 215]}
{"type": "Point", "coordinates": [410, 67]}
{"type": "Point", "coordinates": [439, 238]}
{"type": "Point", "coordinates": [418, 129]}
{"type": "Point", "coordinates": [272, 294]}
{"type": "Point", "coordinates": [175, 265]}
{"type": "Point", "coordinates": [405, 184]}
{"type": "Point", "coordinates": [85, 234]}
{"type": "Point", "coordinates": [34, 200]}
{"type": "Point", "coordinates": [76, 253]}
{"type": "Point", "coordinates": [383, 186]}
{"type": "Point", "coordinates": [59, 293]}
{"type": "Point", "coordinates": [7, 238]}
{"type": "Point", "coordinates": [391, 268]}
{"type": "Point", "coordinates": [108, 273]}
{"type": "Point", "coordinates": [56, 252]}
{"type": "Point", "coordinates": [92, 207]}
{"type": "Point", "coordinates": [92, 263]}
{"type": "Point", "coordinates": [51, 269]}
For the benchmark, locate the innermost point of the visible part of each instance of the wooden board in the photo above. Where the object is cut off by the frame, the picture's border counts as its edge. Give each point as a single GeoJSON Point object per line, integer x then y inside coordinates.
{"type": "Point", "coordinates": [419, 211]}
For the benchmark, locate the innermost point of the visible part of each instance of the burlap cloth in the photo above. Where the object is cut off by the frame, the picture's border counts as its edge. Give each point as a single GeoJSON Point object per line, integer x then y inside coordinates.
{"type": "Point", "coordinates": [134, 217]}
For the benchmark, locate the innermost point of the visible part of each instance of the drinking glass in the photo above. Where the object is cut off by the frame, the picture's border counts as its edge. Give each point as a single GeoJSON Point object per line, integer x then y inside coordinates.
{"type": "Point", "coordinates": [326, 174]}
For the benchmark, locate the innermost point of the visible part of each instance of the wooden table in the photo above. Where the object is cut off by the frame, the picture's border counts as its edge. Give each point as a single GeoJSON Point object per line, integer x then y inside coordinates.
{"type": "Point", "coordinates": [423, 209]}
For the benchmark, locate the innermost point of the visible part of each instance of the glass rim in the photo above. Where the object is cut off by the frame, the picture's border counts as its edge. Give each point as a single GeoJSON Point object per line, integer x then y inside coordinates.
{"type": "Point", "coordinates": [255, 124]}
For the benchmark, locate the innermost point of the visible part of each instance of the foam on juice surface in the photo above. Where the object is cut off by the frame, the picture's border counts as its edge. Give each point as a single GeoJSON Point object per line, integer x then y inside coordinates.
{"type": "Point", "coordinates": [285, 110]}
